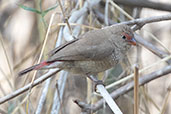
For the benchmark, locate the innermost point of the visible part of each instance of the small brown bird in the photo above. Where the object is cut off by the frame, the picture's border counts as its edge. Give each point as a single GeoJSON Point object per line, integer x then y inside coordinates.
{"type": "Point", "coordinates": [93, 52]}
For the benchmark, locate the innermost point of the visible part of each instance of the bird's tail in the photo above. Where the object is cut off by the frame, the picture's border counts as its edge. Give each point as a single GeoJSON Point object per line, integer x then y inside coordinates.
{"type": "Point", "coordinates": [34, 67]}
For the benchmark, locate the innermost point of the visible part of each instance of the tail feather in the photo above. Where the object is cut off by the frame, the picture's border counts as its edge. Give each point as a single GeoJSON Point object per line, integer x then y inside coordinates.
{"type": "Point", "coordinates": [35, 67]}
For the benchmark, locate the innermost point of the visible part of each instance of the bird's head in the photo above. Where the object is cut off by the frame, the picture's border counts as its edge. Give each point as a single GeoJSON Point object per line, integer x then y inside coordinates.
{"type": "Point", "coordinates": [123, 37]}
{"type": "Point", "coordinates": [129, 38]}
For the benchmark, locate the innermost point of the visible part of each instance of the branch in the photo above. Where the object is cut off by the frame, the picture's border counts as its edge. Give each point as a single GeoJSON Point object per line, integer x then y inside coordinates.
{"type": "Point", "coordinates": [139, 24]}
{"type": "Point", "coordinates": [128, 87]}
{"type": "Point", "coordinates": [78, 14]}
{"type": "Point", "coordinates": [100, 16]}
{"type": "Point", "coordinates": [142, 4]}
{"type": "Point", "coordinates": [152, 48]}
{"type": "Point", "coordinates": [58, 95]}
{"type": "Point", "coordinates": [145, 4]}
{"type": "Point", "coordinates": [140, 21]}
{"type": "Point", "coordinates": [25, 88]}
{"type": "Point", "coordinates": [49, 74]}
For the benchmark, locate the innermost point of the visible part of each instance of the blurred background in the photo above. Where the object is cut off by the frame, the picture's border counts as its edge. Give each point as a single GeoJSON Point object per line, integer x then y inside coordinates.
{"type": "Point", "coordinates": [23, 29]}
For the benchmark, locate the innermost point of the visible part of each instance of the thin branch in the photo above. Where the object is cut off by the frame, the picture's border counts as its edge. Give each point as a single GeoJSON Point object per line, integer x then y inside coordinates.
{"type": "Point", "coordinates": [106, 12]}
{"type": "Point", "coordinates": [60, 4]}
{"type": "Point", "coordinates": [157, 40]}
{"type": "Point", "coordinates": [121, 10]}
{"type": "Point", "coordinates": [136, 90]}
{"type": "Point", "coordinates": [43, 48]}
{"type": "Point", "coordinates": [166, 101]}
{"type": "Point", "coordinates": [148, 20]}
{"type": "Point", "coordinates": [46, 86]}
{"type": "Point", "coordinates": [108, 99]}
{"type": "Point", "coordinates": [151, 47]}
{"type": "Point", "coordinates": [6, 55]}
{"type": "Point", "coordinates": [100, 17]}
{"type": "Point", "coordinates": [43, 96]}
{"type": "Point", "coordinates": [49, 74]}
{"type": "Point", "coordinates": [145, 4]}
{"type": "Point", "coordinates": [59, 92]}
{"type": "Point", "coordinates": [77, 14]}
{"type": "Point", "coordinates": [25, 88]}
{"type": "Point", "coordinates": [140, 71]}
{"type": "Point", "coordinates": [128, 87]}
{"type": "Point", "coordinates": [61, 81]}
{"type": "Point", "coordinates": [85, 107]}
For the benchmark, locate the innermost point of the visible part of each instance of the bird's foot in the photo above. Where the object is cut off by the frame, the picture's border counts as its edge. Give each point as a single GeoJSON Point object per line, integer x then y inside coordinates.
{"type": "Point", "coordinates": [96, 81]}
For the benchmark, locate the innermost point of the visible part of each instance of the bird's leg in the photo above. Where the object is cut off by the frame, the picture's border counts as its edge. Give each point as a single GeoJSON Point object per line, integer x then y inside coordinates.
{"type": "Point", "coordinates": [96, 81]}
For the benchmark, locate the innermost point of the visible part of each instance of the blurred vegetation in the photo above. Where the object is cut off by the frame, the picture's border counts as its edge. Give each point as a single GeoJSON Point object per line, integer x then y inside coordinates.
{"type": "Point", "coordinates": [23, 30]}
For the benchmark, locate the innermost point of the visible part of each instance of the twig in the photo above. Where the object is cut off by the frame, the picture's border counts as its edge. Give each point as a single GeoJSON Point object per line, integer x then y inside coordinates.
{"type": "Point", "coordinates": [166, 101]}
{"type": "Point", "coordinates": [45, 89]}
{"type": "Point", "coordinates": [43, 47]}
{"type": "Point", "coordinates": [146, 4]}
{"type": "Point", "coordinates": [7, 79]}
{"type": "Point", "coordinates": [25, 88]}
{"type": "Point", "coordinates": [61, 80]}
{"type": "Point", "coordinates": [101, 16]}
{"type": "Point", "coordinates": [136, 90]}
{"type": "Point", "coordinates": [56, 100]}
{"type": "Point", "coordinates": [58, 94]}
{"type": "Point", "coordinates": [6, 55]}
{"type": "Point", "coordinates": [3, 111]}
{"type": "Point", "coordinates": [20, 91]}
{"type": "Point", "coordinates": [148, 98]}
{"type": "Point", "coordinates": [106, 12]}
{"type": "Point", "coordinates": [59, 1]}
{"type": "Point", "coordinates": [142, 80]}
{"type": "Point", "coordinates": [77, 14]}
{"type": "Point", "coordinates": [43, 96]}
{"type": "Point", "coordinates": [77, 24]}
{"type": "Point", "coordinates": [140, 71]}
{"type": "Point", "coordinates": [157, 40]}
{"type": "Point", "coordinates": [148, 20]}
{"type": "Point", "coordinates": [108, 99]}
{"type": "Point", "coordinates": [41, 54]}
{"type": "Point", "coordinates": [126, 88]}
{"type": "Point", "coordinates": [85, 107]}
{"type": "Point", "coordinates": [77, 29]}
{"type": "Point", "coordinates": [121, 10]}
{"type": "Point", "coordinates": [151, 47]}
{"type": "Point", "coordinates": [19, 105]}
{"type": "Point", "coordinates": [144, 100]}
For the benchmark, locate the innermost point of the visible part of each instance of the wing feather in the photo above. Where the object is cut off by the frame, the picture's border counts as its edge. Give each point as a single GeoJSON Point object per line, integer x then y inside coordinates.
{"type": "Point", "coordinates": [92, 45]}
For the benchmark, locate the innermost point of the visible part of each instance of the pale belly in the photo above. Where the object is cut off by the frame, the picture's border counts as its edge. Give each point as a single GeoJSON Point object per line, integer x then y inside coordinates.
{"type": "Point", "coordinates": [89, 67]}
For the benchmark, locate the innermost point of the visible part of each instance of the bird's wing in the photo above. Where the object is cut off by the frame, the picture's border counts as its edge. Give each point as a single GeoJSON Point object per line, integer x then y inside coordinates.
{"type": "Point", "coordinates": [93, 45]}
{"type": "Point", "coordinates": [54, 51]}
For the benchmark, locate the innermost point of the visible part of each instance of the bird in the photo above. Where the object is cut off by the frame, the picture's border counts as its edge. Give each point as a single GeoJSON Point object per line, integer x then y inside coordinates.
{"type": "Point", "coordinates": [91, 53]}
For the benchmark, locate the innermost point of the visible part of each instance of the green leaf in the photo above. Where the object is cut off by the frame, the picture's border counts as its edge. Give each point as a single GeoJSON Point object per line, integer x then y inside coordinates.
{"type": "Point", "coordinates": [29, 9]}
{"type": "Point", "coordinates": [49, 9]}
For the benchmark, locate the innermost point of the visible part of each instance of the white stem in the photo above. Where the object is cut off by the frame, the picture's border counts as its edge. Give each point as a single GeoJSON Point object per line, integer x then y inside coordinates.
{"type": "Point", "coordinates": [113, 106]}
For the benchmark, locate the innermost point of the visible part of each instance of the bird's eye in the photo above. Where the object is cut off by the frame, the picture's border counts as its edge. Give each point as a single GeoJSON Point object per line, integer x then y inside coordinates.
{"type": "Point", "coordinates": [124, 37]}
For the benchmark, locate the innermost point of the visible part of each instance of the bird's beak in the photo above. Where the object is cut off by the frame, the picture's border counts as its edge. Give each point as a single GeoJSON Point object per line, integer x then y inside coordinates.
{"type": "Point", "coordinates": [133, 41]}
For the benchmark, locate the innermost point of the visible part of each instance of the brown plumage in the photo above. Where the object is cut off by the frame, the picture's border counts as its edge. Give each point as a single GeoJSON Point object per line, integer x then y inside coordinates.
{"type": "Point", "coordinates": [93, 52]}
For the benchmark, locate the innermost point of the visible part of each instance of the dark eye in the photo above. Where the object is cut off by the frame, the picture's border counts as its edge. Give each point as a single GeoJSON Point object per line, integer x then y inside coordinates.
{"type": "Point", "coordinates": [124, 37]}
